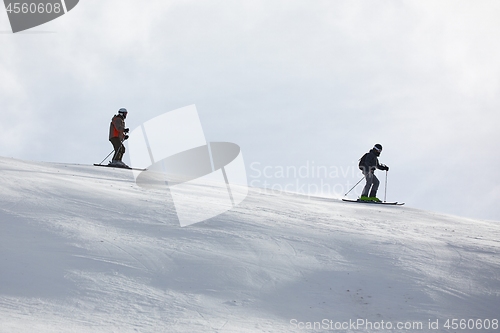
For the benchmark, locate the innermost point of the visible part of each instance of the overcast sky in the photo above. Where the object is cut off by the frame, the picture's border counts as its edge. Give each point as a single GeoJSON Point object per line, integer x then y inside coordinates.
{"type": "Point", "coordinates": [297, 84]}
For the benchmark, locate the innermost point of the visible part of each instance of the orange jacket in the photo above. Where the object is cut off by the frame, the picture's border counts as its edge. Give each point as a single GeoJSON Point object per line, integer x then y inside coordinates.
{"type": "Point", "coordinates": [116, 128]}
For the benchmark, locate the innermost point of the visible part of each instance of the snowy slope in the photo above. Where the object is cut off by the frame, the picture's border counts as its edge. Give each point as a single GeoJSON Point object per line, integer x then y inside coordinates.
{"type": "Point", "coordinates": [84, 249]}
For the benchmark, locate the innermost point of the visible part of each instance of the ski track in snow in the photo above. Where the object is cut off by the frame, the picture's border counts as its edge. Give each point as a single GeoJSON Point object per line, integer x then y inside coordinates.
{"type": "Point", "coordinates": [84, 249]}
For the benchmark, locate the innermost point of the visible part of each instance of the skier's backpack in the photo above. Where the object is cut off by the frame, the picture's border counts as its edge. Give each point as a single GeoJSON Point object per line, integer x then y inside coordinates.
{"type": "Point", "coordinates": [362, 160]}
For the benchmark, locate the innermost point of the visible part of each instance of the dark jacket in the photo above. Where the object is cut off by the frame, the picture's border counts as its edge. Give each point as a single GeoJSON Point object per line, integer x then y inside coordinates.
{"type": "Point", "coordinates": [117, 127]}
{"type": "Point", "coordinates": [369, 162]}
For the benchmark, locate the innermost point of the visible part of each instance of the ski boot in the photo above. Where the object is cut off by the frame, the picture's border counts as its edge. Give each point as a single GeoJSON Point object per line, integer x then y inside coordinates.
{"type": "Point", "coordinates": [118, 164]}
{"type": "Point", "coordinates": [365, 198]}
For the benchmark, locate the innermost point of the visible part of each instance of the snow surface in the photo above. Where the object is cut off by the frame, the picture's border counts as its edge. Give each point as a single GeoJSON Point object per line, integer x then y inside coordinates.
{"type": "Point", "coordinates": [84, 249]}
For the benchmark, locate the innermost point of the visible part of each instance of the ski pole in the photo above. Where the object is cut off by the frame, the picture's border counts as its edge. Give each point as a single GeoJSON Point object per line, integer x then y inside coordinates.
{"type": "Point", "coordinates": [354, 186]}
{"type": "Point", "coordinates": [121, 144]}
{"type": "Point", "coordinates": [385, 194]}
{"type": "Point", "coordinates": [107, 156]}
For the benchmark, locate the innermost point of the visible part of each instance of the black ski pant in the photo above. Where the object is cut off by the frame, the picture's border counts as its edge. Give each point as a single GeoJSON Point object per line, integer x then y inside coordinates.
{"type": "Point", "coordinates": [371, 182]}
{"type": "Point", "coordinates": [119, 149]}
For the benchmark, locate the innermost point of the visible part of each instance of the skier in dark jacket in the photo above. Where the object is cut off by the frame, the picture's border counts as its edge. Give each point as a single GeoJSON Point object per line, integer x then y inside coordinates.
{"type": "Point", "coordinates": [117, 134]}
{"type": "Point", "coordinates": [367, 164]}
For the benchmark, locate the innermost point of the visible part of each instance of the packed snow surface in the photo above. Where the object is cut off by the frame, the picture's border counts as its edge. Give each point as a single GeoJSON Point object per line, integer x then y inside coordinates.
{"type": "Point", "coordinates": [84, 249]}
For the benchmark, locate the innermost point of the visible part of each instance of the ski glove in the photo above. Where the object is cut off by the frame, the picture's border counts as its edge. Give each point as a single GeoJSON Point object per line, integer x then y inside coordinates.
{"type": "Point", "coordinates": [125, 137]}
{"type": "Point", "coordinates": [385, 167]}
{"type": "Point", "coordinates": [126, 130]}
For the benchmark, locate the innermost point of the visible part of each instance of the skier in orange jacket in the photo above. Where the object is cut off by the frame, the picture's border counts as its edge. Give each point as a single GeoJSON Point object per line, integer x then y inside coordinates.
{"type": "Point", "coordinates": [117, 134]}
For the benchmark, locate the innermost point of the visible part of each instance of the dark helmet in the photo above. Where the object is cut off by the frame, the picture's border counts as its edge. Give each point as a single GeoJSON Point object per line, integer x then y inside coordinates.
{"type": "Point", "coordinates": [378, 147]}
